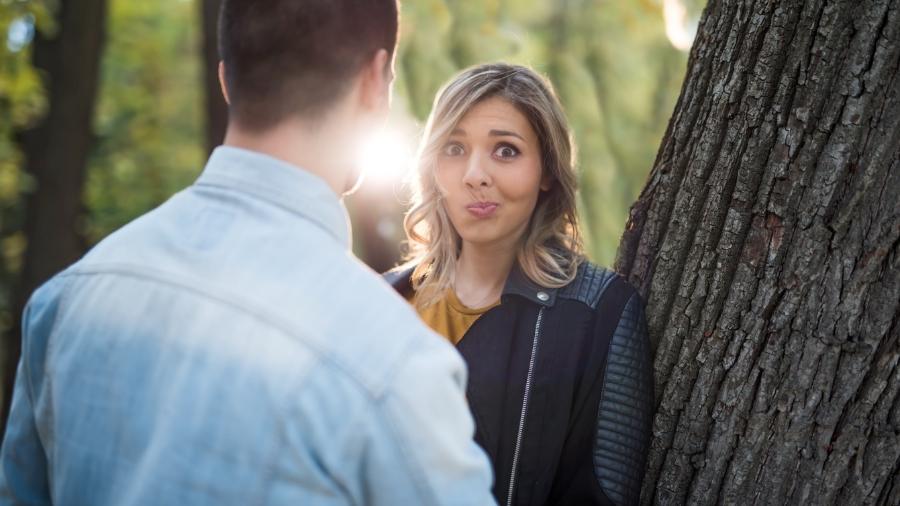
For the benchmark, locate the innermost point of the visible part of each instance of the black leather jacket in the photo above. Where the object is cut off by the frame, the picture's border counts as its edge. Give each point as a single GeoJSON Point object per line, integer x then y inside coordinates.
{"type": "Point", "coordinates": [561, 389]}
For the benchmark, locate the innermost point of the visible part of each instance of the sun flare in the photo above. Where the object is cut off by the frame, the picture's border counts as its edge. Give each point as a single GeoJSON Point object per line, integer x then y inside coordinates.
{"type": "Point", "coordinates": [387, 156]}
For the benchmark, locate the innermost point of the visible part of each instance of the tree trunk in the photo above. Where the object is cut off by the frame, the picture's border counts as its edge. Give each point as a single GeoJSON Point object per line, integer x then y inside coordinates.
{"type": "Point", "coordinates": [56, 151]}
{"type": "Point", "coordinates": [766, 245]}
{"type": "Point", "coordinates": [216, 109]}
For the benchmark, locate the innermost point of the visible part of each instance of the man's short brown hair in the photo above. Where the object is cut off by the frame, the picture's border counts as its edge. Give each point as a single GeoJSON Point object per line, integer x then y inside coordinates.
{"type": "Point", "coordinates": [297, 57]}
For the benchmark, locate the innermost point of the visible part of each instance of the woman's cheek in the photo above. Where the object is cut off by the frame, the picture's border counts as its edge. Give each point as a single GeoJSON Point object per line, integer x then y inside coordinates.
{"type": "Point", "coordinates": [449, 178]}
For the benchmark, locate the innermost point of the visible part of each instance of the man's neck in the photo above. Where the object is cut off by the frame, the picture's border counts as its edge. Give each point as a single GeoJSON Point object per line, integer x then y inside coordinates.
{"type": "Point", "coordinates": [316, 149]}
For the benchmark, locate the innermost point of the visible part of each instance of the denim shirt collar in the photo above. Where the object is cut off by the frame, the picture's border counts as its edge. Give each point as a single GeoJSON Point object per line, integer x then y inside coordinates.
{"type": "Point", "coordinates": [280, 183]}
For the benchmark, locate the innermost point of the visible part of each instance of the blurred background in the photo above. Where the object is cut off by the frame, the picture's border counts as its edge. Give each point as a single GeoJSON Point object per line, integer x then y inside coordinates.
{"type": "Point", "coordinates": [137, 73]}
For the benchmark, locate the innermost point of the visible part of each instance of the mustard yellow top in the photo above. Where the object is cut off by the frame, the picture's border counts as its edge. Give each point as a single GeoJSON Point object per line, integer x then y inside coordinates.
{"type": "Point", "coordinates": [449, 317]}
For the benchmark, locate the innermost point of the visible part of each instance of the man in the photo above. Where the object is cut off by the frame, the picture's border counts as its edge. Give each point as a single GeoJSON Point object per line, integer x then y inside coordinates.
{"type": "Point", "coordinates": [226, 348]}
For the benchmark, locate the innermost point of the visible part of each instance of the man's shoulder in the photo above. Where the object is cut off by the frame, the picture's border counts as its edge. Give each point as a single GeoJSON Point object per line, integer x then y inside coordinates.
{"type": "Point", "coordinates": [381, 329]}
{"type": "Point", "coordinates": [304, 283]}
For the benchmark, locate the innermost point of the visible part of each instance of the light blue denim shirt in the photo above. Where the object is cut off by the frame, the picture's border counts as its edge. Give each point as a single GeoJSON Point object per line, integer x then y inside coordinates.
{"type": "Point", "coordinates": [227, 348]}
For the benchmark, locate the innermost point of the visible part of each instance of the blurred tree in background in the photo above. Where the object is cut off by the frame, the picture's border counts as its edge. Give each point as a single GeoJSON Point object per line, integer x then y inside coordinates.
{"type": "Point", "coordinates": [55, 145]}
{"type": "Point", "coordinates": [615, 65]}
{"type": "Point", "coordinates": [21, 102]}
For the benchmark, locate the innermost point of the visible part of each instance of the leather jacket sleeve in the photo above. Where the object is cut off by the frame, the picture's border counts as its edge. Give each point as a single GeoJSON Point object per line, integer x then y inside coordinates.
{"type": "Point", "coordinates": [625, 414]}
{"type": "Point", "coordinates": [602, 462]}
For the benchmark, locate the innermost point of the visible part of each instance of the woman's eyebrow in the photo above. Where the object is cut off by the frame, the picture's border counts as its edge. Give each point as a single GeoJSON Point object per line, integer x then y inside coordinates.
{"type": "Point", "coordinates": [504, 133]}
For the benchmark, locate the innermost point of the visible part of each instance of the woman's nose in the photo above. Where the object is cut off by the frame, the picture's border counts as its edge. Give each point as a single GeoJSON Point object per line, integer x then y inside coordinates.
{"type": "Point", "coordinates": [475, 175]}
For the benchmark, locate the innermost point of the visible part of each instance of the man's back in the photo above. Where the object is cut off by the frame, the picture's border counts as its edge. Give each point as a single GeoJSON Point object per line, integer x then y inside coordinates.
{"type": "Point", "coordinates": [228, 348]}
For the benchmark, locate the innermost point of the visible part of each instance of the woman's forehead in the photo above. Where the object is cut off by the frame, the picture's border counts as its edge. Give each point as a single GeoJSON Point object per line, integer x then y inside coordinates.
{"type": "Point", "coordinates": [494, 117]}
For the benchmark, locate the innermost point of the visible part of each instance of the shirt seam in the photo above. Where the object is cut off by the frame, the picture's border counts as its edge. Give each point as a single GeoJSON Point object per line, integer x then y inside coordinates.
{"type": "Point", "coordinates": [241, 305]}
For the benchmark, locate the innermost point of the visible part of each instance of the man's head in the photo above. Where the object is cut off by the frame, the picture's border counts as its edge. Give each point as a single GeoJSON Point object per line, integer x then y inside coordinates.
{"type": "Point", "coordinates": [286, 59]}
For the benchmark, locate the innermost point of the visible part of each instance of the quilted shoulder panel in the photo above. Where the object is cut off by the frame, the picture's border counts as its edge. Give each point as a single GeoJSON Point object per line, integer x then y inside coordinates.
{"type": "Point", "coordinates": [588, 285]}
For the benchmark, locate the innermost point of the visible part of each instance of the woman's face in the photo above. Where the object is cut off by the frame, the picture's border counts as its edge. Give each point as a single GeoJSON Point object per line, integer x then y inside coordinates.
{"type": "Point", "coordinates": [490, 174]}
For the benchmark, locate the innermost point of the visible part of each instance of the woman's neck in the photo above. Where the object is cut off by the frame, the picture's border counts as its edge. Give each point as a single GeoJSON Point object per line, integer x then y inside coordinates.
{"type": "Point", "coordinates": [481, 273]}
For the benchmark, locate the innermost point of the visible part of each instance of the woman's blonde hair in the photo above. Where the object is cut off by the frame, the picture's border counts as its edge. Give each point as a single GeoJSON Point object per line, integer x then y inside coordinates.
{"type": "Point", "coordinates": [551, 249]}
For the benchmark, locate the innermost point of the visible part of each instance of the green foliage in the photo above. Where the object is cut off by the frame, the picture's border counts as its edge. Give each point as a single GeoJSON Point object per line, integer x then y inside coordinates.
{"type": "Point", "coordinates": [149, 115]}
{"type": "Point", "coordinates": [148, 124]}
{"type": "Point", "coordinates": [21, 102]}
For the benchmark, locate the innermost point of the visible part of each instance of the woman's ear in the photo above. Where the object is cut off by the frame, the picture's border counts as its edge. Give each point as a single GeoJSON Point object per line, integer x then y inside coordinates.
{"type": "Point", "coordinates": [546, 181]}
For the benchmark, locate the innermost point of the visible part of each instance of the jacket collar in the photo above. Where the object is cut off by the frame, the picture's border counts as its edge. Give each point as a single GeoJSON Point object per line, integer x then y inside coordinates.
{"type": "Point", "coordinates": [517, 283]}
{"type": "Point", "coordinates": [278, 182]}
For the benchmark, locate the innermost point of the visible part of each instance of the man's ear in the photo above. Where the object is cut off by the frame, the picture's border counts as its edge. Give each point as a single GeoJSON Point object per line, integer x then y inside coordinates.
{"type": "Point", "coordinates": [376, 78]}
{"type": "Point", "coordinates": [222, 82]}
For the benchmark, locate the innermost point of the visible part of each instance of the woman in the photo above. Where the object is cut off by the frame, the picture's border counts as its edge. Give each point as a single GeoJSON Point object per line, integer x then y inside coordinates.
{"type": "Point", "coordinates": [560, 384]}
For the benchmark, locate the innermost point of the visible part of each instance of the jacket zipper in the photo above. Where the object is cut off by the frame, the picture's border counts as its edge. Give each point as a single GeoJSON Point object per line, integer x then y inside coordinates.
{"type": "Point", "coordinates": [515, 462]}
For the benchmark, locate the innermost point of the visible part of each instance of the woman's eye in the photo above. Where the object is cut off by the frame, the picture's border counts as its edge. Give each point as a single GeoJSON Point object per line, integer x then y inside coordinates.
{"type": "Point", "coordinates": [453, 149]}
{"type": "Point", "coordinates": [506, 151]}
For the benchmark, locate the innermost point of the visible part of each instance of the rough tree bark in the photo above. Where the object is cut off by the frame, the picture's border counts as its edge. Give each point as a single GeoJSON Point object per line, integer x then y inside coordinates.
{"type": "Point", "coordinates": [56, 150]}
{"type": "Point", "coordinates": [215, 107]}
{"type": "Point", "coordinates": [766, 245]}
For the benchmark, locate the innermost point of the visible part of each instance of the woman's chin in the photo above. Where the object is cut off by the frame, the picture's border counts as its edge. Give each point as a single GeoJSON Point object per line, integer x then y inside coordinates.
{"type": "Point", "coordinates": [482, 237]}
